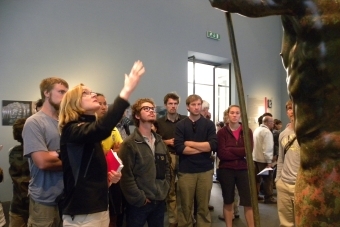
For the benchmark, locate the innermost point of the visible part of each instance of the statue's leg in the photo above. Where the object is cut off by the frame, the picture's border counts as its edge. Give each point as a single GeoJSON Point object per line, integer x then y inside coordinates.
{"type": "Point", "coordinates": [317, 195]}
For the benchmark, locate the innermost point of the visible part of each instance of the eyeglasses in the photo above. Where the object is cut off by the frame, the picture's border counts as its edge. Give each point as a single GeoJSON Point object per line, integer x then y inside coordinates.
{"type": "Point", "coordinates": [85, 93]}
{"type": "Point", "coordinates": [194, 127]}
{"type": "Point", "coordinates": [148, 108]}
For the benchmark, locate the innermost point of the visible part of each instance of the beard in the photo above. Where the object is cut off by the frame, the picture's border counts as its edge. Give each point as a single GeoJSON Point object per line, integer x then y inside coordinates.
{"type": "Point", "coordinates": [172, 111]}
{"type": "Point", "coordinates": [147, 120]}
{"type": "Point", "coordinates": [56, 106]}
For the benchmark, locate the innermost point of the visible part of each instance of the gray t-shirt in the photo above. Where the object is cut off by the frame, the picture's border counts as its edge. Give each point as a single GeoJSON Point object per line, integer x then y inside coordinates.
{"type": "Point", "coordinates": [288, 165]}
{"type": "Point", "coordinates": [41, 133]}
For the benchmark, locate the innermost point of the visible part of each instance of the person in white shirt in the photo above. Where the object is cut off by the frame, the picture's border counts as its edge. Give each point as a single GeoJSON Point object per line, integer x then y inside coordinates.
{"type": "Point", "coordinates": [263, 156]}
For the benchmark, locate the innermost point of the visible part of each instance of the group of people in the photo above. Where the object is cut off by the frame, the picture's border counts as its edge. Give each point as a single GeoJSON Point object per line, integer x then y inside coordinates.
{"type": "Point", "coordinates": [62, 152]}
{"type": "Point", "coordinates": [63, 167]}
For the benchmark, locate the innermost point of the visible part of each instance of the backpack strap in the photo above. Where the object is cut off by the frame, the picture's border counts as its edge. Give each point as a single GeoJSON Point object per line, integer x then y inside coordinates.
{"type": "Point", "coordinates": [288, 145]}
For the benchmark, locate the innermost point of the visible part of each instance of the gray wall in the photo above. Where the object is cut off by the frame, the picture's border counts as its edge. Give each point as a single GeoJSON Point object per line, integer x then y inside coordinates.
{"type": "Point", "coordinates": [96, 42]}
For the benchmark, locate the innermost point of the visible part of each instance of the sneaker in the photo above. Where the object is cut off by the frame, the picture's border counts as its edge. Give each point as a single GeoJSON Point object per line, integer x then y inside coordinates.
{"type": "Point", "coordinates": [260, 197]}
{"type": "Point", "coordinates": [271, 200]}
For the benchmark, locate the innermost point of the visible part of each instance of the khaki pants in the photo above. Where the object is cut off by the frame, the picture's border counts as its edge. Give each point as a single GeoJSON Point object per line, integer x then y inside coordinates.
{"type": "Point", "coordinates": [285, 203]}
{"type": "Point", "coordinates": [17, 220]}
{"type": "Point", "coordinates": [199, 185]}
{"type": "Point", "coordinates": [171, 201]}
{"type": "Point", "coordinates": [100, 219]}
{"type": "Point", "coordinates": [43, 216]}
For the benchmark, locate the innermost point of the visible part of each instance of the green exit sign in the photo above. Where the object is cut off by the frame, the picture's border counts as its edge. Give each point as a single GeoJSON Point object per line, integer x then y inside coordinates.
{"type": "Point", "coordinates": [213, 35]}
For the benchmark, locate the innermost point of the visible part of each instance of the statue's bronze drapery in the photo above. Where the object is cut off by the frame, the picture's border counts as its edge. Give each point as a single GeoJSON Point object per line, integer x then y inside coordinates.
{"type": "Point", "coordinates": [310, 53]}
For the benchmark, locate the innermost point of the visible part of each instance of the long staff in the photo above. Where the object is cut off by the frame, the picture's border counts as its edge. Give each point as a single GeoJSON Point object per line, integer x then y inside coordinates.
{"type": "Point", "coordinates": [240, 92]}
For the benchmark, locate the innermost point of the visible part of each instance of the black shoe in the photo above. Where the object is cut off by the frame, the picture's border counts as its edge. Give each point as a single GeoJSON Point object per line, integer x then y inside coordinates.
{"type": "Point", "coordinates": [221, 217]}
{"type": "Point", "coordinates": [260, 197]}
{"type": "Point", "coordinates": [271, 200]}
{"type": "Point", "coordinates": [211, 208]}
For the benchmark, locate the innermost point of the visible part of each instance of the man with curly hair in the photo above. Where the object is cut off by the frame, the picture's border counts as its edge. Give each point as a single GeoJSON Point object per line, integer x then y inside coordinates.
{"type": "Point", "coordinates": [146, 174]}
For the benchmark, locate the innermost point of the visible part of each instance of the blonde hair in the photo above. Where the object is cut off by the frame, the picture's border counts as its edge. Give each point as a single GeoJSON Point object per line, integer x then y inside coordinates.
{"type": "Point", "coordinates": [289, 105]}
{"type": "Point", "coordinates": [70, 106]}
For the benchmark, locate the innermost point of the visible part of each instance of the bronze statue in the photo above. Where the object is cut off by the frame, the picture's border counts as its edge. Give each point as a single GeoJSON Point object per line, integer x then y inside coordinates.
{"type": "Point", "coordinates": [310, 52]}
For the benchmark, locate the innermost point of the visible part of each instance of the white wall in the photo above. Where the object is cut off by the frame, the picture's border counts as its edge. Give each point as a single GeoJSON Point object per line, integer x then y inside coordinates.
{"type": "Point", "coordinates": [96, 42]}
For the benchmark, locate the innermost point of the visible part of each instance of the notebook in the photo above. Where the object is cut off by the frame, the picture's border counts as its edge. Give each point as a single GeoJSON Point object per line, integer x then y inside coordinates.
{"type": "Point", "coordinates": [113, 161]}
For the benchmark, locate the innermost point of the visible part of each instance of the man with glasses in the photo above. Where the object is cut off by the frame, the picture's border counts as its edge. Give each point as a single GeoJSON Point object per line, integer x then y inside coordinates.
{"type": "Point", "coordinates": [166, 128]}
{"type": "Point", "coordinates": [146, 174]}
{"type": "Point", "coordinates": [195, 139]}
{"type": "Point", "coordinates": [41, 147]}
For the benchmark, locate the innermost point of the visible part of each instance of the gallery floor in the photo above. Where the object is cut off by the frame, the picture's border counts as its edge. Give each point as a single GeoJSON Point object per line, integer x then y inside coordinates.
{"type": "Point", "coordinates": [268, 212]}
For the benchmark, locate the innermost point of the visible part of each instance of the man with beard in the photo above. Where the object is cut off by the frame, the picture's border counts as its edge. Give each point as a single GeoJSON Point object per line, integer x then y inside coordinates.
{"type": "Point", "coordinates": [195, 139]}
{"type": "Point", "coordinates": [166, 128]}
{"type": "Point", "coordinates": [41, 147]}
{"type": "Point", "coordinates": [146, 174]}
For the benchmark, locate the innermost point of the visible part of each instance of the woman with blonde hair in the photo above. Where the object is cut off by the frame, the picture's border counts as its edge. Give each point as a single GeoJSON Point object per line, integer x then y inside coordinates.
{"type": "Point", "coordinates": [86, 180]}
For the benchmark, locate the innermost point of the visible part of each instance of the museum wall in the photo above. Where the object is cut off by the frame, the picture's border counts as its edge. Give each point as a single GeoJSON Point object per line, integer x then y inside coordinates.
{"type": "Point", "coordinates": [96, 42]}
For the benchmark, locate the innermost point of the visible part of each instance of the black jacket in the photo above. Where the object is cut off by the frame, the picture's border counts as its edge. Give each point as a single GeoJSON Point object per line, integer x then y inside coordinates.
{"type": "Point", "coordinates": [84, 164]}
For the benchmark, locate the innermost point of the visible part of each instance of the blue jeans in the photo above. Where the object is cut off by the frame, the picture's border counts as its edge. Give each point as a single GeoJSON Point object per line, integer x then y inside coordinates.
{"type": "Point", "coordinates": [152, 213]}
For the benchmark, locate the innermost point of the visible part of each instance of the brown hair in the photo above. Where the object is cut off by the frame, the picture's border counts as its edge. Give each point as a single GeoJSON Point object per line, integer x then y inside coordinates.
{"type": "Point", "coordinates": [70, 106]}
{"type": "Point", "coordinates": [39, 104]}
{"type": "Point", "coordinates": [136, 108]}
{"type": "Point", "coordinates": [231, 106]}
{"type": "Point", "coordinates": [171, 95]}
{"type": "Point", "coordinates": [18, 126]}
{"type": "Point", "coordinates": [225, 113]}
{"type": "Point", "coordinates": [192, 98]}
{"type": "Point", "coordinates": [48, 84]}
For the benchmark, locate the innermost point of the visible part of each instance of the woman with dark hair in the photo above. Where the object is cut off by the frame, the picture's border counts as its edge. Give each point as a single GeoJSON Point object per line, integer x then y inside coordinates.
{"type": "Point", "coordinates": [219, 125]}
{"type": "Point", "coordinates": [86, 179]}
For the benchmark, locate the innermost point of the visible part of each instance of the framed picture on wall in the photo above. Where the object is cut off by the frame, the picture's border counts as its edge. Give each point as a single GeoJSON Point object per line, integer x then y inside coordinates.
{"type": "Point", "coordinates": [13, 110]}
